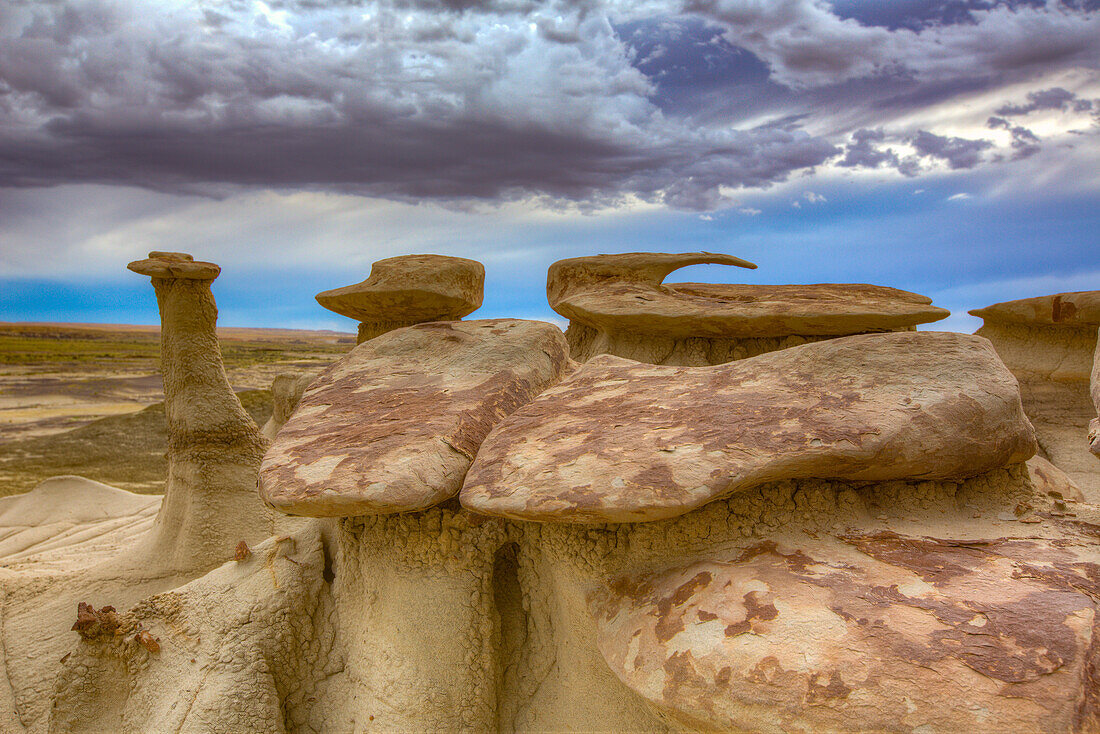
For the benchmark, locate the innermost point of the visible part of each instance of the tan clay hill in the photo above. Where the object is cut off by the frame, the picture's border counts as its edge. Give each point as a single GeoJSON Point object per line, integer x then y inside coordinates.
{"type": "Point", "coordinates": [502, 534]}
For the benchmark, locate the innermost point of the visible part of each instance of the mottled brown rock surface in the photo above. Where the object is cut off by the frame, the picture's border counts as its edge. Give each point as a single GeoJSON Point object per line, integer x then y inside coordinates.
{"type": "Point", "coordinates": [410, 289]}
{"type": "Point", "coordinates": [617, 304]}
{"type": "Point", "coordinates": [394, 425]}
{"type": "Point", "coordinates": [621, 441]}
{"type": "Point", "coordinates": [865, 632]}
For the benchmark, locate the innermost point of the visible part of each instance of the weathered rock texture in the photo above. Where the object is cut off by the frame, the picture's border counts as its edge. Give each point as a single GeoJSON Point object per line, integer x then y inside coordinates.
{"type": "Point", "coordinates": [286, 391]}
{"type": "Point", "coordinates": [617, 304]}
{"type": "Point", "coordinates": [214, 447]}
{"type": "Point", "coordinates": [621, 441]}
{"type": "Point", "coordinates": [393, 426]}
{"type": "Point", "coordinates": [1049, 343]}
{"type": "Point", "coordinates": [959, 595]}
{"type": "Point", "coordinates": [1094, 424]}
{"type": "Point", "coordinates": [410, 289]}
{"type": "Point", "coordinates": [109, 548]}
{"type": "Point", "coordinates": [865, 631]}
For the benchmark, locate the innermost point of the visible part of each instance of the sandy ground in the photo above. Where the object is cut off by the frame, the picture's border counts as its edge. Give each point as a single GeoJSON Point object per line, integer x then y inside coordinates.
{"type": "Point", "coordinates": [86, 398]}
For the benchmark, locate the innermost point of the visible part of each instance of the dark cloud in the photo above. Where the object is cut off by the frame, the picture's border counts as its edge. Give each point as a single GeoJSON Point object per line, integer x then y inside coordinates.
{"type": "Point", "coordinates": [957, 153]}
{"type": "Point", "coordinates": [363, 99]}
{"type": "Point", "coordinates": [581, 100]}
{"type": "Point", "coordinates": [1025, 143]}
{"type": "Point", "coordinates": [1055, 98]}
{"type": "Point", "coordinates": [806, 44]}
{"type": "Point", "coordinates": [864, 152]}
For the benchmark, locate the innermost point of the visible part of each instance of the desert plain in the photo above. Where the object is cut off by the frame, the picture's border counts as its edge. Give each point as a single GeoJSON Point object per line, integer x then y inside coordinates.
{"type": "Point", "coordinates": [87, 399]}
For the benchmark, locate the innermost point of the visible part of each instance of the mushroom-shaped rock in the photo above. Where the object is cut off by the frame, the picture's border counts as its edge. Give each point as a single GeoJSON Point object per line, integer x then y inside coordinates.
{"type": "Point", "coordinates": [865, 632]}
{"type": "Point", "coordinates": [621, 441]}
{"type": "Point", "coordinates": [1049, 344]}
{"type": "Point", "coordinates": [394, 425]}
{"type": "Point", "coordinates": [214, 447]}
{"type": "Point", "coordinates": [617, 304]}
{"type": "Point", "coordinates": [286, 391]}
{"type": "Point", "coordinates": [410, 289]}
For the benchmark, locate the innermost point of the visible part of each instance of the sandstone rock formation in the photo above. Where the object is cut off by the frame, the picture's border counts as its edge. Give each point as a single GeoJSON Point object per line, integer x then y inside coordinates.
{"type": "Point", "coordinates": [286, 391]}
{"type": "Point", "coordinates": [621, 441]}
{"type": "Point", "coordinates": [214, 447]}
{"type": "Point", "coordinates": [432, 392]}
{"type": "Point", "coordinates": [618, 304]}
{"type": "Point", "coordinates": [410, 289]}
{"type": "Point", "coordinates": [1049, 343]}
{"type": "Point", "coordinates": [841, 536]}
{"type": "Point", "coordinates": [112, 548]}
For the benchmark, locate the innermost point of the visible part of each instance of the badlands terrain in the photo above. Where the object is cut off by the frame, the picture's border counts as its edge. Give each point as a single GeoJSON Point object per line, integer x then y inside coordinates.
{"type": "Point", "coordinates": [87, 399]}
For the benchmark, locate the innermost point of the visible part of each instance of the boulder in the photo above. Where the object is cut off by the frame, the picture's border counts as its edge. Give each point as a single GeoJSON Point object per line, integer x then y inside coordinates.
{"type": "Point", "coordinates": [410, 289]}
{"type": "Point", "coordinates": [621, 441]}
{"type": "Point", "coordinates": [617, 304]}
{"type": "Point", "coordinates": [864, 632]}
{"type": "Point", "coordinates": [394, 425]}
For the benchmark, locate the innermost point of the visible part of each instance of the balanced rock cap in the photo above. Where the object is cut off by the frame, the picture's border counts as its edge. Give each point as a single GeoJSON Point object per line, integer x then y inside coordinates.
{"type": "Point", "coordinates": [411, 289]}
{"type": "Point", "coordinates": [623, 441]}
{"type": "Point", "coordinates": [393, 425]}
{"type": "Point", "coordinates": [626, 293]}
{"type": "Point", "coordinates": [1078, 309]}
{"type": "Point", "coordinates": [175, 265]}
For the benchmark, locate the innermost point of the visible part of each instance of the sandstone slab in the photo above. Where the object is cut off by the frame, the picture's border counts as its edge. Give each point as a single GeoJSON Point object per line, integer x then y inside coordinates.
{"type": "Point", "coordinates": [865, 632]}
{"type": "Point", "coordinates": [620, 441]}
{"type": "Point", "coordinates": [394, 425]}
{"type": "Point", "coordinates": [626, 293]}
{"type": "Point", "coordinates": [410, 289]}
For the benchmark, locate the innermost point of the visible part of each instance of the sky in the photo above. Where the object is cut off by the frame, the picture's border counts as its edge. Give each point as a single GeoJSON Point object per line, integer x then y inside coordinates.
{"type": "Point", "coordinates": [948, 147]}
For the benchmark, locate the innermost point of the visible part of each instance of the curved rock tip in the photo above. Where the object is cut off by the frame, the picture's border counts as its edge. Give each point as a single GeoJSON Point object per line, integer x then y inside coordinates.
{"type": "Point", "coordinates": [393, 426]}
{"type": "Point", "coordinates": [621, 441]}
{"type": "Point", "coordinates": [214, 447]}
{"type": "Point", "coordinates": [623, 294]}
{"type": "Point", "coordinates": [651, 268]}
{"type": "Point", "coordinates": [410, 289]}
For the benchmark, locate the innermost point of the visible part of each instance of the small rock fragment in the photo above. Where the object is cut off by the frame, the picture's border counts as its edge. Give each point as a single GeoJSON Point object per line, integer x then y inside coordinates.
{"type": "Point", "coordinates": [243, 552]}
{"type": "Point", "coordinates": [146, 640]}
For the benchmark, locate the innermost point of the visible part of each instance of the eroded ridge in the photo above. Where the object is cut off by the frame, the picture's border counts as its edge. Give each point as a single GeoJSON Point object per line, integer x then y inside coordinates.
{"type": "Point", "coordinates": [620, 441]}
{"type": "Point", "coordinates": [1049, 343]}
{"type": "Point", "coordinates": [619, 304]}
{"type": "Point", "coordinates": [410, 289]}
{"type": "Point", "coordinates": [394, 425]}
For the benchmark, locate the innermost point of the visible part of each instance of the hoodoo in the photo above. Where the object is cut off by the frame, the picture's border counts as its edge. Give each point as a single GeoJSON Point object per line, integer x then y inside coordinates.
{"type": "Point", "coordinates": [214, 446]}
{"type": "Point", "coordinates": [1049, 343]}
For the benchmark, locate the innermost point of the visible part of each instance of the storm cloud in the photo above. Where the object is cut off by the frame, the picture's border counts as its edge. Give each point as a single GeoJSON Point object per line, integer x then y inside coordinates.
{"type": "Point", "coordinates": [595, 102]}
